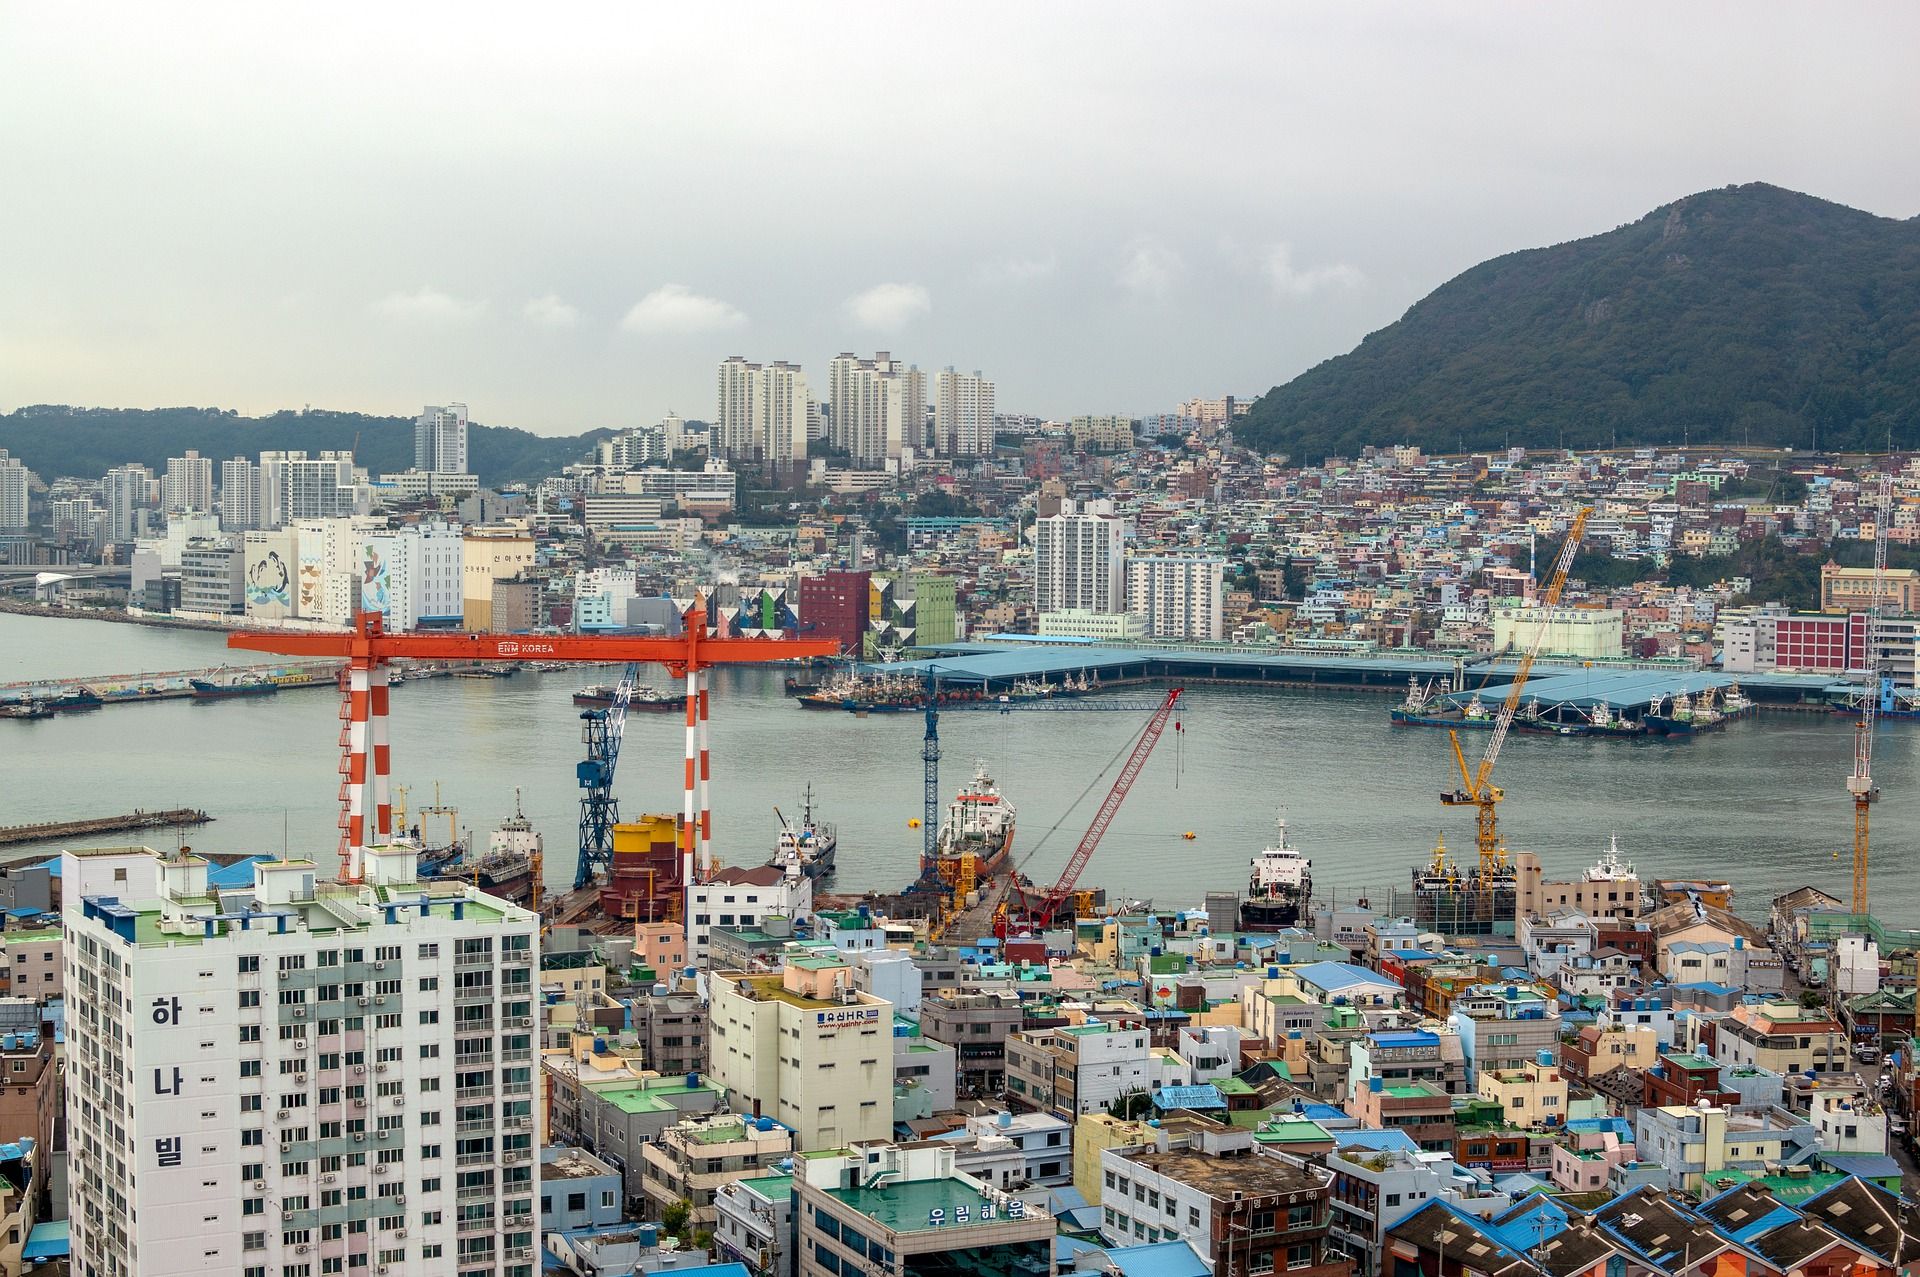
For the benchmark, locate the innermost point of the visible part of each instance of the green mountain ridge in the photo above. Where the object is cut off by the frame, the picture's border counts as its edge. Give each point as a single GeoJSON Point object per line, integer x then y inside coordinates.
{"type": "Point", "coordinates": [1745, 315]}
{"type": "Point", "coordinates": [55, 439]}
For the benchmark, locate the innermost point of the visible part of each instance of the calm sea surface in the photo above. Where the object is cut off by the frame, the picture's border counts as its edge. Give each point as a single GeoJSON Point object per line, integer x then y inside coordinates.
{"type": "Point", "coordinates": [1763, 803]}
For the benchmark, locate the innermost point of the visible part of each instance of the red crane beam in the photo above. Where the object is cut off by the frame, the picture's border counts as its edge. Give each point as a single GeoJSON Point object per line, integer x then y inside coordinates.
{"type": "Point", "coordinates": [1109, 808]}
{"type": "Point", "coordinates": [366, 817]}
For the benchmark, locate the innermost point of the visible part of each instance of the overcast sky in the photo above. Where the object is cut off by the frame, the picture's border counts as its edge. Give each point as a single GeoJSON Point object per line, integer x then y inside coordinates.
{"type": "Point", "coordinates": [567, 214]}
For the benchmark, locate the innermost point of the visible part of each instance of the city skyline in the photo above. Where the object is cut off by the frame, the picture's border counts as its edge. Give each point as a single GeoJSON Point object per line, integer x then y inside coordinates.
{"type": "Point", "coordinates": [1169, 205]}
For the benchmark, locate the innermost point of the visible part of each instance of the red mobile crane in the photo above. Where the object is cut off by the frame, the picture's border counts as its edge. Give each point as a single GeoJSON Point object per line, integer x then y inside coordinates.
{"type": "Point", "coordinates": [1042, 910]}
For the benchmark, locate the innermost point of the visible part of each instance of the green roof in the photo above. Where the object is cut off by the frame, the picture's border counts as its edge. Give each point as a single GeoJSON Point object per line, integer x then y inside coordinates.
{"type": "Point", "coordinates": [775, 1188]}
{"type": "Point", "coordinates": [1415, 1092]}
{"type": "Point", "coordinates": [1298, 1130]}
{"type": "Point", "coordinates": [904, 1206]}
{"type": "Point", "coordinates": [639, 1097]}
{"type": "Point", "coordinates": [30, 937]}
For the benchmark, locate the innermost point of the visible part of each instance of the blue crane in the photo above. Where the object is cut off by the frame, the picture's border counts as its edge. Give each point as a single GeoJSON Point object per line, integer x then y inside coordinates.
{"type": "Point", "coordinates": [601, 730]}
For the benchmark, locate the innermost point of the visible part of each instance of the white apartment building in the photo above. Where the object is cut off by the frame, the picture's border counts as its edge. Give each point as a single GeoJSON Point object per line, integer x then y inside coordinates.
{"type": "Point", "coordinates": [295, 486]}
{"type": "Point", "coordinates": [412, 575]}
{"type": "Point", "coordinates": [188, 484]}
{"type": "Point", "coordinates": [713, 484]}
{"type": "Point", "coordinates": [13, 492]}
{"type": "Point", "coordinates": [239, 495]}
{"type": "Point", "coordinates": [806, 1048]}
{"type": "Point", "coordinates": [1078, 561]}
{"type": "Point", "coordinates": [762, 412]}
{"type": "Point", "coordinates": [440, 439]}
{"type": "Point", "coordinates": [126, 493]}
{"type": "Point", "coordinates": [636, 446]}
{"type": "Point", "coordinates": [68, 518]}
{"type": "Point", "coordinates": [962, 414]}
{"type": "Point", "coordinates": [298, 1077]}
{"type": "Point", "coordinates": [879, 407]}
{"type": "Point", "coordinates": [1180, 597]}
{"type": "Point", "coordinates": [743, 897]}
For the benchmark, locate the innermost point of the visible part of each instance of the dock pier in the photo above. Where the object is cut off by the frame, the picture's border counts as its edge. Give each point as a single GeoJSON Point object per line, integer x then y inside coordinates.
{"type": "Point", "coordinates": [55, 830]}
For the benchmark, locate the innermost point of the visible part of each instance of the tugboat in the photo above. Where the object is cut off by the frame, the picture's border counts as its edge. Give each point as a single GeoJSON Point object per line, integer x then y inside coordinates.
{"type": "Point", "coordinates": [979, 823]}
{"type": "Point", "coordinates": [810, 847]}
{"type": "Point", "coordinates": [1280, 891]}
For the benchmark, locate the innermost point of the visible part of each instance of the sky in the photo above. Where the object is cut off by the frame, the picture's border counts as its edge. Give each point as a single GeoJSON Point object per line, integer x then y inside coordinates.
{"type": "Point", "coordinates": [566, 215]}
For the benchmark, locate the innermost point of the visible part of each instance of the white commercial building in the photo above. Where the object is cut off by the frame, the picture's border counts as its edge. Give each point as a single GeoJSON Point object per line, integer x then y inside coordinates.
{"type": "Point", "coordinates": [13, 492]}
{"type": "Point", "coordinates": [1078, 560]}
{"type": "Point", "coordinates": [299, 1076]}
{"type": "Point", "coordinates": [714, 484]}
{"type": "Point", "coordinates": [806, 1048]}
{"type": "Point", "coordinates": [1583, 633]}
{"type": "Point", "coordinates": [440, 439]}
{"type": "Point", "coordinates": [1180, 597]}
{"type": "Point", "coordinates": [879, 407]}
{"type": "Point", "coordinates": [188, 484]}
{"type": "Point", "coordinates": [211, 577]}
{"type": "Point", "coordinates": [962, 413]}
{"type": "Point", "coordinates": [411, 575]}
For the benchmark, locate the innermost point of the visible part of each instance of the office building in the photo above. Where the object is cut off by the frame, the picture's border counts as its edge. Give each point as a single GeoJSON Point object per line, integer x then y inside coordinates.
{"type": "Point", "coordinates": [188, 484]}
{"type": "Point", "coordinates": [13, 492]}
{"type": "Point", "coordinates": [836, 605]}
{"type": "Point", "coordinates": [299, 1075]}
{"type": "Point", "coordinates": [1179, 597]}
{"type": "Point", "coordinates": [1845, 590]}
{"type": "Point", "coordinates": [239, 495]}
{"type": "Point", "coordinates": [1078, 561]}
{"type": "Point", "coordinates": [488, 554]}
{"type": "Point", "coordinates": [440, 439]}
{"type": "Point", "coordinates": [212, 577]}
{"type": "Point", "coordinates": [806, 1048]}
{"type": "Point", "coordinates": [1078, 1068]}
{"type": "Point", "coordinates": [762, 412]}
{"type": "Point", "coordinates": [962, 414]}
{"type": "Point", "coordinates": [879, 408]}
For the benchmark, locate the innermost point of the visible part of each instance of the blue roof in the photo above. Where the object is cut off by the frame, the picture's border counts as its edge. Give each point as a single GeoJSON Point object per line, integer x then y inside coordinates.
{"type": "Point", "coordinates": [1708, 986]}
{"type": "Point", "coordinates": [1158, 1259]}
{"type": "Point", "coordinates": [1378, 1141]}
{"type": "Point", "coordinates": [1322, 1112]}
{"type": "Point", "coordinates": [47, 1241]}
{"type": "Point", "coordinates": [237, 874]}
{"type": "Point", "coordinates": [715, 1270]}
{"type": "Point", "coordinates": [1189, 1097]}
{"type": "Point", "coordinates": [1335, 975]}
{"type": "Point", "coordinates": [1862, 1165]}
{"type": "Point", "coordinates": [1404, 1037]}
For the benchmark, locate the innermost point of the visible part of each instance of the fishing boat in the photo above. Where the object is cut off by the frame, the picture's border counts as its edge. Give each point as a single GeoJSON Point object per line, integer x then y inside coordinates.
{"type": "Point", "coordinates": [644, 699]}
{"type": "Point", "coordinates": [205, 689]}
{"type": "Point", "coordinates": [1425, 706]}
{"type": "Point", "coordinates": [809, 847]}
{"type": "Point", "coordinates": [1683, 715]}
{"type": "Point", "coordinates": [1280, 890]}
{"type": "Point", "coordinates": [1604, 720]}
{"type": "Point", "coordinates": [29, 710]}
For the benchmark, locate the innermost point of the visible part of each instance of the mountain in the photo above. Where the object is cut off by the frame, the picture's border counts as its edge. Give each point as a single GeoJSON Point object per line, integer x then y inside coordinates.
{"type": "Point", "coordinates": [54, 439]}
{"type": "Point", "coordinates": [1749, 314]}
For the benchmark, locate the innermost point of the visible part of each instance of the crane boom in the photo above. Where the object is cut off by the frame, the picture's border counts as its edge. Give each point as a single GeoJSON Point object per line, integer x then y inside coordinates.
{"type": "Point", "coordinates": [1478, 790]}
{"type": "Point", "coordinates": [1056, 896]}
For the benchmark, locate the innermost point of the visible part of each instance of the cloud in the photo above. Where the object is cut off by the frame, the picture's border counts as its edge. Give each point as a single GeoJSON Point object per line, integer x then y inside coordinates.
{"type": "Point", "coordinates": [1151, 269]}
{"type": "Point", "coordinates": [428, 307]}
{"type": "Point", "coordinates": [1011, 271]}
{"type": "Point", "coordinates": [889, 306]}
{"type": "Point", "coordinates": [550, 312]}
{"type": "Point", "coordinates": [1277, 263]}
{"type": "Point", "coordinates": [673, 310]}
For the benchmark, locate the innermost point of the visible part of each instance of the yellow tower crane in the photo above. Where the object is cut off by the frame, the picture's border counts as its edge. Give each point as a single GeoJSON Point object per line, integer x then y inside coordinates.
{"type": "Point", "coordinates": [1860, 781]}
{"type": "Point", "coordinates": [1477, 788]}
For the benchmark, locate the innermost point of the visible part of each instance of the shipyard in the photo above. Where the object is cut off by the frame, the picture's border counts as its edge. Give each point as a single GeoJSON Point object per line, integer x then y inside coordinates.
{"type": "Point", "coordinates": [1045, 641]}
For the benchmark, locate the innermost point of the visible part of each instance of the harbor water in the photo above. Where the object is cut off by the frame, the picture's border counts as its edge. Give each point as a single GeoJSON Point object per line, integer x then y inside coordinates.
{"type": "Point", "coordinates": [1762, 803]}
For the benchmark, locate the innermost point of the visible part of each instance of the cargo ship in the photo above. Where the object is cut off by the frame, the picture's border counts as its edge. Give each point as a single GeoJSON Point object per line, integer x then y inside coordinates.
{"type": "Point", "coordinates": [1280, 892]}
{"type": "Point", "coordinates": [979, 823]}
{"type": "Point", "coordinates": [810, 847]}
{"type": "Point", "coordinates": [77, 699]}
{"type": "Point", "coordinates": [645, 699]}
{"type": "Point", "coordinates": [205, 689]}
{"type": "Point", "coordinates": [513, 856]}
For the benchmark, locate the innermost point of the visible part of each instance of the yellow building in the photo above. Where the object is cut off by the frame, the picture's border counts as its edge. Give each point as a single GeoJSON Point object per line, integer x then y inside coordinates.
{"type": "Point", "coordinates": [1851, 589]}
{"type": "Point", "coordinates": [489, 554]}
{"type": "Point", "coordinates": [1535, 1095]}
{"type": "Point", "coordinates": [806, 1048]}
{"type": "Point", "coordinates": [1094, 1134]}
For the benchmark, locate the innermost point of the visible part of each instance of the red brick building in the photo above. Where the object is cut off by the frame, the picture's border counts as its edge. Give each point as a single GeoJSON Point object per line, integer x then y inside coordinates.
{"type": "Point", "coordinates": [836, 606]}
